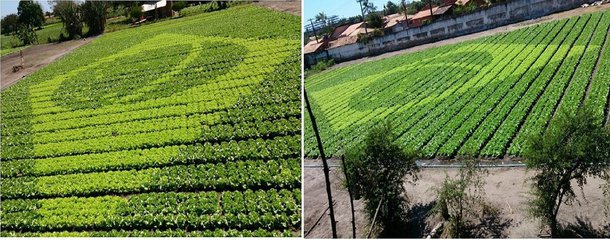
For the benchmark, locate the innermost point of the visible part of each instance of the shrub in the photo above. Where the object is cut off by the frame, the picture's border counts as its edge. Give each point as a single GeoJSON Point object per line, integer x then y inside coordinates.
{"type": "Point", "coordinates": [377, 168]}
{"type": "Point", "coordinates": [573, 148]}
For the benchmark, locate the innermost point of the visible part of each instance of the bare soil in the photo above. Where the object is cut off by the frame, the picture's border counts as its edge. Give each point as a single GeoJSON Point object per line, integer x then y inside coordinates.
{"type": "Point", "coordinates": [506, 189]}
{"type": "Point", "coordinates": [291, 6]}
{"type": "Point", "coordinates": [503, 29]}
{"type": "Point", "coordinates": [35, 57]}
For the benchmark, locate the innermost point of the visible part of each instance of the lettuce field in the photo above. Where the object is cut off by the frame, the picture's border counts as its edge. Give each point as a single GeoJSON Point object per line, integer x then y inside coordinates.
{"type": "Point", "coordinates": [479, 98]}
{"type": "Point", "coordinates": [186, 127]}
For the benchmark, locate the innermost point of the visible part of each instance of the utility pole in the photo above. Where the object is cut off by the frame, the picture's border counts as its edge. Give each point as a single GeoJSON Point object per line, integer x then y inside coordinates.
{"type": "Point", "coordinates": [351, 198]}
{"type": "Point", "coordinates": [430, 5]}
{"type": "Point", "coordinates": [333, 224]}
{"type": "Point", "coordinates": [314, 30]}
{"type": "Point", "coordinates": [363, 10]}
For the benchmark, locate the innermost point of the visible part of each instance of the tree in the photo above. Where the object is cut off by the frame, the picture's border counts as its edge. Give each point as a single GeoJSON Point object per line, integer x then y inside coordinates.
{"type": "Point", "coordinates": [378, 167]}
{"type": "Point", "coordinates": [374, 20]}
{"type": "Point", "coordinates": [9, 24]}
{"type": "Point", "coordinates": [30, 14]}
{"type": "Point", "coordinates": [406, 10]}
{"type": "Point", "coordinates": [321, 17]}
{"type": "Point", "coordinates": [573, 148]}
{"type": "Point", "coordinates": [460, 197]}
{"type": "Point", "coordinates": [94, 15]}
{"type": "Point", "coordinates": [390, 8]}
{"type": "Point", "coordinates": [26, 34]}
{"type": "Point", "coordinates": [135, 12]}
{"type": "Point", "coordinates": [70, 15]}
{"type": "Point", "coordinates": [177, 6]}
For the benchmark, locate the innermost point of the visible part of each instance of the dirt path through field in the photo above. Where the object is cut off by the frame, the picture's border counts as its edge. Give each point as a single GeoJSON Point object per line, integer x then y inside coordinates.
{"type": "Point", "coordinates": [291, 6]}
{"type": "Point", "coordinates": [35, 57]}
{"type": "Point", "coordinates": [504, 188]}
{"type": "Point", "coordinates": [503, 29]}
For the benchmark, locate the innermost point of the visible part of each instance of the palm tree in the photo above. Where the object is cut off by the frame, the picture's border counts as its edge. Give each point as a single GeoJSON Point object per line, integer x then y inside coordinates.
{"type": "Point", "coordinates": [405, 10]}
{"type": "Point", "coordinates": [321, 17]}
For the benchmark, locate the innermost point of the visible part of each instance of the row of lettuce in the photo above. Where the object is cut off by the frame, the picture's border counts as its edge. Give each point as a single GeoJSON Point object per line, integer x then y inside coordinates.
{"type": "Point", "coordinates": [487, 97]}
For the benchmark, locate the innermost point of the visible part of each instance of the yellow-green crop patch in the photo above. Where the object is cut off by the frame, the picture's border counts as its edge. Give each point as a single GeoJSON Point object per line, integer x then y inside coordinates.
{"type": "Point", "coordinates": [187, 127]}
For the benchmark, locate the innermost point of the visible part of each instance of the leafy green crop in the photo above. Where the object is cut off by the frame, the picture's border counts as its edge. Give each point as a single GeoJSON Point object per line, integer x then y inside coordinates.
{"type": "Point", "coordinates": [478, 98]}
{"type": "Point", "coordinates": [188, 127]}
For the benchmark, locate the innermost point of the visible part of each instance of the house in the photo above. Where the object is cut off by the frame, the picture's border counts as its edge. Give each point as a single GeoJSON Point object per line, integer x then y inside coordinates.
{"type": "Point", "coordinates": [157, 9]}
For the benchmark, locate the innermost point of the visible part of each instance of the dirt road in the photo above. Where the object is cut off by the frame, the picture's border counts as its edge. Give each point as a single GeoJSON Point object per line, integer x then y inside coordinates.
{"type": "Point", "coordinates": [292, 6]}
{"type": "Point", "coordinates": [505, 188]}
{"type": "Point", "coordinates": [35, 57]}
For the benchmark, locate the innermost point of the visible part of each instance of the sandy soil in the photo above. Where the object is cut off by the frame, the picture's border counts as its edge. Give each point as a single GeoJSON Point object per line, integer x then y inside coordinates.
{"type": "Point", "coordinates": [35, 57]}
{"type": "Point", "coordinates": [507, 28]}
{"type": "Point", "coordinates": [505, 189]}
{"type": "Point", "coordinates": [290, 6]}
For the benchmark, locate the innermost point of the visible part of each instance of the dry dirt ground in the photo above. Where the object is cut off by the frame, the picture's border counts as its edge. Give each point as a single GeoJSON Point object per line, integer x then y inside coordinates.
{"type": "Point", "coordinates": [505, 189]}
{"type": "Point", "coordinates": [35, 57]}
{"type": "Point", "coordinates": [507, 28]}
{"type": "Point", "coordinates": [290, 6]}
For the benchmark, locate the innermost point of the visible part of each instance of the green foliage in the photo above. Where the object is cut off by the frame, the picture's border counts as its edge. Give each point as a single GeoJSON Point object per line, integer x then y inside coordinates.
{"type": "Point", "coordinates": [320, 66]}
{"type": "Point", "coordinates": [459, 198]}
{"type": "Point", "coordinates": [210, 112]}
{"type": "Point", "coordinates": [69, 12]}
{"type": "Point", "coordinates": [201, 8]}
{"type": "Point", "coordinates": [573, 149]}
{"type": "Point", "coordinates": [477, 98]}
{"type": "Point", "coordinates": [377, 168]}
{"type": "Point", "coordinates": [179, 5]}
{"type": "Point", "coordinates": [30, 14]}
{"type": "Point", "coordinates": [9, 24]}
{"type": "Point", "coordinates": [94, 15]}
{"type": "Point", "coordinates": [26, 34]}
{"type": "Point", "coordinates": [465, 9]}
{"type": "Point", "coordinates": [374, 20]}
{"type": "Point", "coordinates": [390, 8]}
{"type": "Point", "coordinates": [135, 12]}
{"type": "Point", "coordinates": [366, 38]}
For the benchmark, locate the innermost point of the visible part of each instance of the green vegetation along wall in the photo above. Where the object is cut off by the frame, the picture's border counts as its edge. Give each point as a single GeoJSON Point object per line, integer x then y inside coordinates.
{"type": "Point", "coordinates": [189, 127]}
{"type": "Point", "coordinates": [477, 98]}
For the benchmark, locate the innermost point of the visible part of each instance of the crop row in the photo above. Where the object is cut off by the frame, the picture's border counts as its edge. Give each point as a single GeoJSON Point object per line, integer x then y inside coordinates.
{"type": "Point", "coordinates": [252, 149]}
{"type": "Point", "coordinates": [260, 113]}
{"type": "Point", "coordinates": [597, 98]}
{"type": "Point", "coordinates": [539, 65]}
{"type": "Point", "coordinates": [156, 233]}
{"type": "Point", "coordinates": [395, 79]}
{"type": "Point", "coordinates": [424, 121]}
{"type": "Point", "coordinates": [204, 133]}
{"type": "Point", "coordinates": [511, 112]}
{"type": "Point", "coordinates": [423, 92]}
{"type": "Point", "coordinates": [262, 209]}
{"type": "Point", "coordinates": [235, 175]}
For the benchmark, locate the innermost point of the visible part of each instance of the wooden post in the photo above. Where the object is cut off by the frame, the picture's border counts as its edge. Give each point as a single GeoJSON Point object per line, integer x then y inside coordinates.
{"type": "Point", "coordinates": [351, 198]}
{"type": "Point", "coordinates": [333, 224]}
{"type": "Point", "coordinates": [374, 218]}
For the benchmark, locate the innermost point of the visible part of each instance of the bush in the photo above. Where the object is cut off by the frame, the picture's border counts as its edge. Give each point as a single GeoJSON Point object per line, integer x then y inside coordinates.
{"type": "Point", "coordinates": [94, 15]}
{"type": "Point", "coordinates": [202, 8]}
{"type": "Point", "coordinates": [459, 198]}
{"type": "Point", "coordinates": [374, 20]}
{"type": "Point", "coordinates": [573, 148]}
{"type": "Point", "coordinates": [177, 6]}
{"type": "Point", "coordinates": [135, 12]}
{"type": "Point", "coordinates": [26, 34]}
{"type": "Point", "coordinates": [70, 15]}
{"type": "Point", "coordinates": [377, 168]}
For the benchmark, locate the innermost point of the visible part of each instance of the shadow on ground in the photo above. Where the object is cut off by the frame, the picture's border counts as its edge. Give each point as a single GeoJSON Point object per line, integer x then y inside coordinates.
{"type": "Point", "coordinates": [414, 226]}
{"type": "Point", "coordinates": [583, 228]}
